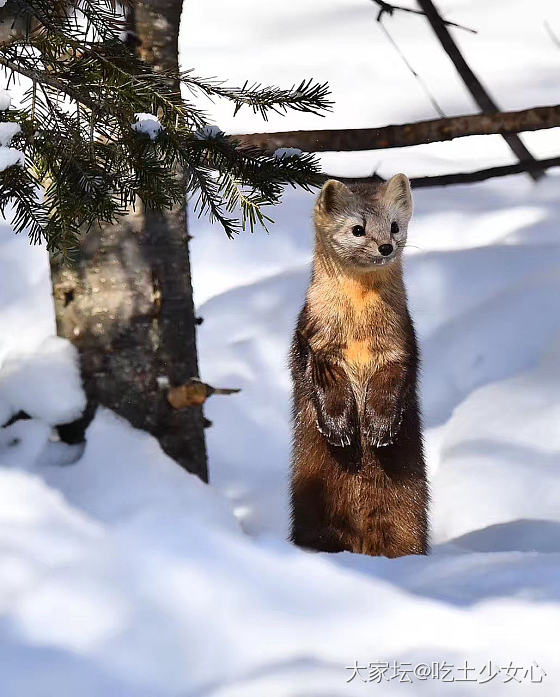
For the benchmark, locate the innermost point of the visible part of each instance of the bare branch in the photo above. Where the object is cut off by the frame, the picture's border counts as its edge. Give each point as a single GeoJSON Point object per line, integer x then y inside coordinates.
{"type": "Point", "coordinates": [479, 93]}
{"type": "Point", "coordinates": [403, 135]}
{"type": "Point", "coordinates": [534, 166]}
{"type": "Point", "coordinates": [460, 177]}
{"type": "Point", "coordinates": [550, 32]}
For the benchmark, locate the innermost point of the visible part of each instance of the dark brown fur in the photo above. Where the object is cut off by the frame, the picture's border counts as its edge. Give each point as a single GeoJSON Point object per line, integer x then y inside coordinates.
{"type": "Point", "coordinates": [358, 474]}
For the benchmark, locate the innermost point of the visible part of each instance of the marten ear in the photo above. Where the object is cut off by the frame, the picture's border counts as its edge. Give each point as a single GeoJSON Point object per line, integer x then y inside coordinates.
{"type": "Point", "coordinates": [398, 195]}
{"type": "Point", "coordinates": [333, 196]}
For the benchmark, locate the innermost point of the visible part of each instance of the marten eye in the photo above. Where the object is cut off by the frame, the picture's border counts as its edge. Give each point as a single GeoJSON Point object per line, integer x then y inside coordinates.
{"type": "Point", "coordinates": [358, 231]}
{"type": "Point", "coordinates": [394, 228]}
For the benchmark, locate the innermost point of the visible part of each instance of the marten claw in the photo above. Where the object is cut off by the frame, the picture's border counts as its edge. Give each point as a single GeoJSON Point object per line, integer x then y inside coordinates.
{"type": "Point", "coordinates": [379, 443]}
{"type": "Point", "coordinates": [385, 433]}
{"type": "Point", "coordinates": [386, 437]}
{"type": "Point", "coordinates": [336, 440]}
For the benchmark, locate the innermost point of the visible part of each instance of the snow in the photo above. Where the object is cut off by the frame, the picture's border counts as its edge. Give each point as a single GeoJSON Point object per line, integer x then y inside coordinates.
{"type": "Point", "coordinates": [8, 131]}
{"type": "Point", "coordinates": [147, 124]}
{"type": "Point", "coordinates": [122, 576]}
{"type": "Point", "coordinates": [26, 312]}
{"type": "Point", "coordinates": [279, 153]}
{"type": "Point", "coordinates": [8, 156]}
{"type": "Point", "coordinates": [45, 384]}
{"type": "Point", "coordinates": [5, 99]}
{"type": "Point", "coordinates": [208, 132]}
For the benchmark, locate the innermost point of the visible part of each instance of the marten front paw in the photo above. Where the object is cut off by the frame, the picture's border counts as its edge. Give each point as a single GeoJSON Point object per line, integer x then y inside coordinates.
{"type": "Point", "coordinates": [336, 434]}
{"type": "Point", "coordinates": [382, 430]}
{"type": "Point", "coordinates": [335, 404]}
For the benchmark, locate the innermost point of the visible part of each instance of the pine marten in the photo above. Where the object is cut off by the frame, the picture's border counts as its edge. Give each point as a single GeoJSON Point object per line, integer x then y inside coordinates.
{"type": "Point", "coordinates": [358, 471]}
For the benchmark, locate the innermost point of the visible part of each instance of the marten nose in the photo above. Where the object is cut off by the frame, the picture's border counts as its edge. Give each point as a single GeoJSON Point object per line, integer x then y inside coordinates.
{"type": "Point", "coordinates": [385, 249]}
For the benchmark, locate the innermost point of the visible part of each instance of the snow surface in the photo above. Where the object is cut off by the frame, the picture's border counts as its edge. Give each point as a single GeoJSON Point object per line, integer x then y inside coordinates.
{"type": "Point", "coordinates": [121, 576]}
{"type": "Point", "coordinates": [45, 384]}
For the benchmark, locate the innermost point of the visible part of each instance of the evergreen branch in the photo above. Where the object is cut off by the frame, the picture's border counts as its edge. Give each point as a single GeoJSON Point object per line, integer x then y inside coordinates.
{"type": "Point", "coordinates": [19, 190]}
{"type": "Point", "coordinates": [249, 203]}
{"type": "Point", "coordinates": [209, 200]}
{"type": "Point", "coordinates": [44, 78]}
{"type": "Point", "coordinates": [307, 96]}
{"type": "Point", "coordinates": [90, 161]}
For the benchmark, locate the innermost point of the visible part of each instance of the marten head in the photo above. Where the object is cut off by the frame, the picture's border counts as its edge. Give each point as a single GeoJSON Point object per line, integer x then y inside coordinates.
{"type": "Point", "coordinates": [361, 226]}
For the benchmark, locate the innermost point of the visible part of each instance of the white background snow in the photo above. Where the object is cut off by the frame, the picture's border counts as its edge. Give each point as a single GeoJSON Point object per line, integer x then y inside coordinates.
{"type": "Point", "coordinates": [121, 576]}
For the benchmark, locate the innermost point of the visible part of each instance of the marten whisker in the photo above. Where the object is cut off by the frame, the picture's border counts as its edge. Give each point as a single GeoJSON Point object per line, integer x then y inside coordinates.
{"type": "Point", "coordinates": [407, 244]}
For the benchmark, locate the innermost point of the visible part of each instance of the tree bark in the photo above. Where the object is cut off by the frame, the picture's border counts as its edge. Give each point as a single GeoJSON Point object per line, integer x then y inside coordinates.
{"type": "Point", "coordinates": [403, 135]}
{"type": "Point", "coordinates": [127, 304]}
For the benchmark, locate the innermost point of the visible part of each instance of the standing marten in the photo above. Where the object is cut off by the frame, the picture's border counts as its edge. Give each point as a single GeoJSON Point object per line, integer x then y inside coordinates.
{"type": "Point", "coordinates": [358, 477]}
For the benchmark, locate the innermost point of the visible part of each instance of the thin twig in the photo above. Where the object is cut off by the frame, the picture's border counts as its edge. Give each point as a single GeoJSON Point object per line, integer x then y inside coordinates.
{"type": "Point", "coordinates": [479, 93]}
{"type": "Point", "coordinates": [195, 393]}
{"type": "Point", "coordinates": [551, 33]}
{"type": "Point", "coordinates": [433, 100]}
{"type": "Point", "coordinates": [388, 8]}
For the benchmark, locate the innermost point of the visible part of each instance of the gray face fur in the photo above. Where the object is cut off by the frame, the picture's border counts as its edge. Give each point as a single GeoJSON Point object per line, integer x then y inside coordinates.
{"type": "Point", "coordinates": [341, 208]}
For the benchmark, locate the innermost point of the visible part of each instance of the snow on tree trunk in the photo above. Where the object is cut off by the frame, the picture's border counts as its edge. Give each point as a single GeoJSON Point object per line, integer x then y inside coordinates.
{"type": "Point", "coordinates": [127, 304]}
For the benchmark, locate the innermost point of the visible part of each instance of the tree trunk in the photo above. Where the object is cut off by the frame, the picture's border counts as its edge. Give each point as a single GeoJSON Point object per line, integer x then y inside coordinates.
{"type": "Point", "coordinates": [127, 304]}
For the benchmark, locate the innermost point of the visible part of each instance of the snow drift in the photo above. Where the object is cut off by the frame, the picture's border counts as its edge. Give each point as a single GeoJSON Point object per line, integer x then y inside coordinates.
{"type": "Point", "coordinates": [122, 576]}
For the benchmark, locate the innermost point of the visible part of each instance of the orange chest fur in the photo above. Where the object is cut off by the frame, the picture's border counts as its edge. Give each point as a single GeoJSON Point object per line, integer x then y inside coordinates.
{"type": "Point", "coordinates": [363, 321]}
{"type": "Point", "coordinates": [372, 339]}
{"type": "Point", "coordinates": [358, 353]}
{"type": "Point", "coordinates": [363, 357]}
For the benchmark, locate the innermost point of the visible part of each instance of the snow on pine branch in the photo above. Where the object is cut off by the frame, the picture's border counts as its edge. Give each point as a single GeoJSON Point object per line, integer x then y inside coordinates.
{"type": "Point", "coordinates": [5, 98]}
{"type": "Point", "coordinates": [208, 132]}
{"type": "Point", "coordinates": [92, 96]}
{"type": "Point", "coordinates": [279, 153]}
{"type": "Point", "coordinates": [148, 124]}
{"type": "Point", "coordinates": [8, 156]}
